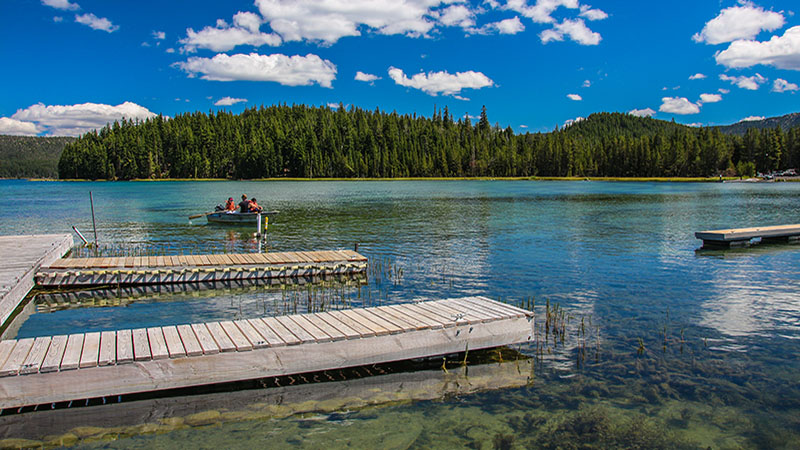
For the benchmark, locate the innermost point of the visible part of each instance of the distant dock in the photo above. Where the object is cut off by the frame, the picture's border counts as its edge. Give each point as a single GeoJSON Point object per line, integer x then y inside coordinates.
{"type": "Point", "coordinates": [740, 237]}
{"type": "Point", "coordinates": [152, 270]}
{"type": "Point", "coordinates": [52, 369]}
{"type": "Point", "coordinates": [20, 258]}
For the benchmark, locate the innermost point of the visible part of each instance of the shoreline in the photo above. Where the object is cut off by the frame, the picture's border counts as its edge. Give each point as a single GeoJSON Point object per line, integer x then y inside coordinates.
{"type": "Point", "coordinates": [613, 179]}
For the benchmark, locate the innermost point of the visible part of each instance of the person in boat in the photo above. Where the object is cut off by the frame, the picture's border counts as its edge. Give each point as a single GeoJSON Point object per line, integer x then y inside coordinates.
{"type": "Point", "coordinates": [254, 207]}
{"type": "Point", "coordinates": [244, 205]}
{"type": "Point", "coordinates": [230, 205]}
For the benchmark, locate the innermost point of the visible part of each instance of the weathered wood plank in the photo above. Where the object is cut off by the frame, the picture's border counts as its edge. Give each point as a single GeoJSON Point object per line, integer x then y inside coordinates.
{"type": "Point", "coordinates": [285, 335]}
{"type": "Point", "coordinates": [224, 342]}
{"type": "Point", "coordinates": [72, 354]}
{"type": "Point", "coordinates": [207, 342]}
{"type": "Point", "coordinates": [272, 338]}
{"type": "Point", "coordinates": [295, 329]}
{"type": "Point", "coordinates": [108, 348]}
{"type": "Point", "coordinates": [52, 361]}
{"type": "Point", "coordinates": [36, 356]}
{"type": "Point", "coordinates": [124, 346]}
{"type": "Point", "coordinates": [331, 331]}
{"type": "Point", "coordinates": [255, 339]}
{"type": "Point", "coordinates": [91, 350]}
{"type": "Point", "coordinates": [189, 340]}
{"type": "Point", "coordinates": [174, 344]}
{"type": "Point", "coordinates": [313, 330]}
{"type": "Point", "coordinates": [158, 345]}
{"type": "Point", "coordinates": [371, 318]}
{"type": "Point", "coordinates": [397, 313]}
{"type": "Point", "coordinates": [141, 345]}
{"type": "Point", "coordinates": [353, 324]}
{"type": "Point", "coordinates": [237, 337]}
{"type": "Point", "coordinates": [444, 321]}
{"type": "Point", "coordinates": [5, 349]}
{"type": "Point", "coordinates": [17, 357]}
{"type": "Point", "coordinates": [348, 332]}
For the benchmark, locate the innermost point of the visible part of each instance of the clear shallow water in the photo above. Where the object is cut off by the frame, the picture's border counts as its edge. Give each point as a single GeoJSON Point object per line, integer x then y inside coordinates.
{"type": "Point", "coordinates": [716, 364]}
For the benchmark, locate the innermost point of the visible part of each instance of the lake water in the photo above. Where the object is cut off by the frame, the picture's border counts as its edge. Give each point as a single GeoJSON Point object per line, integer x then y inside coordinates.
{"type": "Point", "coordinates": [665, 346]}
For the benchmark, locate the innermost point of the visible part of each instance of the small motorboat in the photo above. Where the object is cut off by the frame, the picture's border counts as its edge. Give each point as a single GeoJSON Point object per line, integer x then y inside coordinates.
{"type": "Point", "coordinates": [236, 217]}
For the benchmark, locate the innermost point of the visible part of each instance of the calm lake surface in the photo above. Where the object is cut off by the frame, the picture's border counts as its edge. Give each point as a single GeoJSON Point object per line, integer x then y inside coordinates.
{"type": "Point", "coordinates": [665, 346]}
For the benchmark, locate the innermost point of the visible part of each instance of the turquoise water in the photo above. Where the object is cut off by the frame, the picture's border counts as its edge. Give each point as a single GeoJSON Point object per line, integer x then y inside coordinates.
{"type": "Point", "coordinates": [679, 347]}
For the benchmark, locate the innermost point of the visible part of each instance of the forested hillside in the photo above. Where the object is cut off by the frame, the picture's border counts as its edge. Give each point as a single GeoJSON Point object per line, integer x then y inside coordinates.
{"type": "Point", "coordinates": [30, 157]}
{"type": "Point", "coordinates": [785, 122]}
{"type": "Point", "coordinates": [314, 142]}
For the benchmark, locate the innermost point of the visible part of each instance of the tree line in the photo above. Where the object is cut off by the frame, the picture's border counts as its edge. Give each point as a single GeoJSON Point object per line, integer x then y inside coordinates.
{"type": "Point", "coordinates": [324, 142]}
{"type": "Point", "coordinates": [30, 156]}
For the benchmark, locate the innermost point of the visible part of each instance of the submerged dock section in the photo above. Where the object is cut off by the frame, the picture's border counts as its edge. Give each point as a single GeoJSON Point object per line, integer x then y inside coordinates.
{"type": "Point", "coordinates": [149, 270]}
{"type": "Point", "coordinates": [740, 237]}
{"type": "Point", "coordinates": [52, 369]}
{"type": "Point", "coordinates": [20, 258]}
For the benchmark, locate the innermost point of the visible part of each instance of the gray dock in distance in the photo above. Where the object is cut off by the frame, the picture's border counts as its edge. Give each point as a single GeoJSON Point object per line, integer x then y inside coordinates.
{"type": "Point", "coordinates": [144, 270]}
{"type": "Point", "coordinates": [50, 369]}
{"type": "Point", "coordinates": [740, 237]}
{"type": "Point", "coordinates": [20, 258]}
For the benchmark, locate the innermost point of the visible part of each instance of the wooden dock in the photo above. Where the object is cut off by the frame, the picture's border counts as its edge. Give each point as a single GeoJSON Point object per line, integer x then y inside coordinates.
{"type": "Point", "coordinates": [739, 237]}
{"type": "Point", "coordinates": [47, 370]}
{"type": "Point", "coordinates": [148, 270]}
{"type": "Point", "coordinates": [20, 258]}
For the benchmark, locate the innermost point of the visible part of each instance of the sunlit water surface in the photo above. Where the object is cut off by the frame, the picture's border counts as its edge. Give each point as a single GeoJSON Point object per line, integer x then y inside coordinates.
{"type": "Point", "coordinates": [666, 346]}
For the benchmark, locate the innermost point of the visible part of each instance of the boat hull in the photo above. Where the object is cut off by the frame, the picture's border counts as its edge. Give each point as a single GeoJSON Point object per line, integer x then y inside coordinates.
{"type": "Point", "coordinates": [237, 218]}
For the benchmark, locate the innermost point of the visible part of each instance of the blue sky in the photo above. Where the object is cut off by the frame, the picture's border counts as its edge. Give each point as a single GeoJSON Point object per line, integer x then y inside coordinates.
{"type": "Point", "coordinates": [71, 66]}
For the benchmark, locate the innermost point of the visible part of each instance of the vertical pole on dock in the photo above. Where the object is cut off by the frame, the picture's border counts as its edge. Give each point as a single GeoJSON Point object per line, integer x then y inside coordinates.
{"type": "Point", "coordinates": [94, 224]}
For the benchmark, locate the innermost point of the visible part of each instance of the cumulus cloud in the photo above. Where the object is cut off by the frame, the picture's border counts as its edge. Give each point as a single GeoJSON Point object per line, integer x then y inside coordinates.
{"type": "Point", "coordinates": [96, 23]}
{"type": "Point", "coordinates": [61, 4]}
{"type": "Point", "coordinates": [592, 13]}
{"type": "Point", "coordinates": [739, 22]}
{"type": "Point", "coordinates": [58, 19]}
{"type": "Point", "coordinates": [781, 85]}
{"type": "Point", "coordinates": [573, 121]}
{"type": "Point", "coordinates": [723, 91]}
{"type": "Point", "coordinates": [749, 83]}
{"type": "Point", "coordinates": [224, 37]}
{"type": "Point", "coordinates": [18, 127]}
{"type": "Point", "coordinates": [574, 29]}
{"type": "Point", "coordinates": [710, 98]}
{"type": "Point", "coordinates": [697, 76]}
{"type": "Point", "coordinates": [586, 83]}
{"type": "Point", "coordinates": [678, 105]}
{"type": "Point", "coordinates": [646, 112]}
{"type": "Point", "coordinates": [328, 21]}
{"type": "Point", "coordinates": [159, 35]}
{"type": "Point", "coordinates": [73, 120]}
{"type": "Point", "coordinates": [507, 26]}
{"type": "Point", "coordinates": [228, 101]}
{"type": "Point", "coordinates": [574, 97]}
{"type": "Point", "coordinates": [782, 52]}
{"type": "Point", "coordinates": [435, 83]}
{"type": "Point", "coordinates": [366, 77]}
{"type": "Point", "coordinates": [542, 10]}
{"type": "Point", "coordinates": [456, 15]}
{"type": "Point", "coordinates": [752, 118]}
{"type": "Point", "coordinates": [287, 70]}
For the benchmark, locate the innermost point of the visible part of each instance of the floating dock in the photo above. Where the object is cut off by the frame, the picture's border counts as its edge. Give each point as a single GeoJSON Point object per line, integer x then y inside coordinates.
{"type": "Point", "coordinates": [149, 270]}
{"type": "Point", "coordinates": [740, 237]}
{"type": "Point", "coordinates": [20, 258]}
{"type": "Point", "coordinates": [48, 370]}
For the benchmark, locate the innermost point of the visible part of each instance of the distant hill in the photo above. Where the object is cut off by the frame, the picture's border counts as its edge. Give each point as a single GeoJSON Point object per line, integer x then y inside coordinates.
{"type": "Point", "coordinates": [30, 156]}
{"type": "Point", "coordinates": [740, 128]}
{"type": "Point", "coordinates": [621, 124]}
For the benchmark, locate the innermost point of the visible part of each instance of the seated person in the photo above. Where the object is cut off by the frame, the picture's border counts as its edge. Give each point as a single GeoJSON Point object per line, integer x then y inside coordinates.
{"type": "Point", "coordinates": [230, 205]}
{"type": "Point", "coordinates": [254, 206]}
{"type": "Point", "coordinates": [244, 205]}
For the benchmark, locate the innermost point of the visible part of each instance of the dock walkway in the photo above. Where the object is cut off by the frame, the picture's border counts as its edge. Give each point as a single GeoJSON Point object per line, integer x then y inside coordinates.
{"type": "Point", "coordinates": [20, 258]}
{"type": "Point", "coordinates": [737, 237]}
{"type": "Point", "coordinates": [53, 369]}
{"type": "Point", "coordinates": [149, 270]}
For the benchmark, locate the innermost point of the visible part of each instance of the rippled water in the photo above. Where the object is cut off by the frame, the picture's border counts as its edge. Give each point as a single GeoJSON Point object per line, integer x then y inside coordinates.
{"type": "Point", "coordinates": [679, 347]}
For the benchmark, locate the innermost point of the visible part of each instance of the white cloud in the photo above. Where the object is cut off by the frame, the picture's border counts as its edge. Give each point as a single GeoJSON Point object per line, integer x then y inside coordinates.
{"type": "Point", "coordinates": [228, 101]}
{"type": "Point", "coordinates": [224, 37]}
{"type": "Point", "coordinates": [592, 13]}
{"type": "Point", "coordinates": [58, 19]}
{"type": "Point", "coordinates": [646, 112]}
{"type": "Point", "coordinates": [287, 70]}
{"type": "Point", "coordinates": [170, 50]}
{"type": "Point", "coordinates": [697, 76]}
{"type": "Point", "coordinates": [723, 91]}
{"type": "Point", "coordinates": [17, 127]}
{"type": "Point", "coordinates": [752, 119]}
{"type": "Point", "coordinates": [749, 83]}
{"type": "Point", "coordinates": [366, 77]}
{"type": "Point", "coordinates": [96, 23]}
{"type": "Point", "coordinates": [330, 20]}
{"type": "Point", "coordinates": [61, 4]}
{"type": "Point", "coordinates": [523, 126]}
{"type": "Point", "coordinates": [434, 83]}
{"type": "Point", "coordinates": [782, 52]}
{"type": "Point", "coordinates": [573, 121]}
{"type": "Point", "coordinates": [781, 85]}
{"type": "Point", "coordinates": [542, 11]}
{"type": "Point", "coordinates": [507, 26]}
{"type": "Point", "coordinates": [159, 35]}
{"type": "Point", "coordinates": [739, 22]}
{"type": "Point", "coordinates": [586, 83]}
{"type": "Point", "coordinates": [574, 29]}
{"type": "Point", "coordinates": [678, 105]}
{"type": "Point", "coordinates": [710, 98]}
{"type": "Point", "coordinates": [574, 97]}
{"type": "Point", "coordinates": [73, 120]}
{"type": "Point", "coordinates": [457, 15]}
